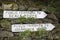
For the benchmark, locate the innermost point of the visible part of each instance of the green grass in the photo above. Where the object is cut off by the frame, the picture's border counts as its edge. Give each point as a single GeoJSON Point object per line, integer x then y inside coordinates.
{"type": "Point", "coordinates": [26, 20]}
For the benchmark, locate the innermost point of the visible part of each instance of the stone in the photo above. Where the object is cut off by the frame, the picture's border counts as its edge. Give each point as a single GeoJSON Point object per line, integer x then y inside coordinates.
{"type": "Point", "coordinates": [6, 34]}
{"type": "Point", "coordinates": [13, 38]}
{"type": "Point", "coordinates": [5, 24]}
{"type": "Point", "coordinates": [52, 17]}
{"type": "Point", "coordinates": [28, 38]}
{"type": "Point", "coordinates": [0, 7]}
{"type": "Point", "coordinates": [57, 14]}
{"type": "Point", "coordinates": [15, 7]}
{"type": "Point", "coordinates": [7, 6]}
{"type": "Point", "coordinates": [47, 21]}
{"type": "Point", "coordinates": [1, 14]}
{"type": "Point", "coordinates": [1, 17]}
{"type": "Point", "coordinates": [33, 9]}
{"type": "Point", "coordinates": [22, 7]}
